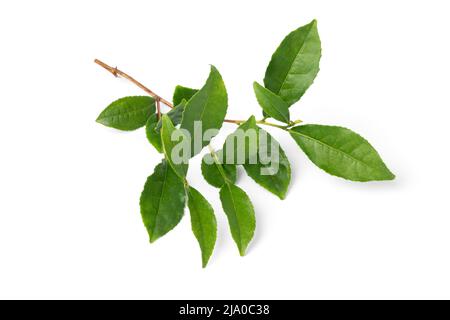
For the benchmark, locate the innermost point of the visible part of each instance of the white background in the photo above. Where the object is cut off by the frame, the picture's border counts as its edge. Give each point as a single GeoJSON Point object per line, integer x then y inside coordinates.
{"type": "Point", "coordinates": [70, 225]}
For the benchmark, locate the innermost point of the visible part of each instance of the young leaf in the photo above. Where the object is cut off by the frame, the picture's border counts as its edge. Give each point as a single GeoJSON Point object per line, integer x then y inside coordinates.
{"type": "Point", "coordinates": [168, 144]}
{"type": "Point", "coordinates": [162, 201]}
{"type": "Point", "coordinates": [153, 136]}
{"type": "Point", "coordinates": [209, 105]}
{"type": "Point", "coordinates": [341, 152]}
{"type": "Point", "coordinates": [240, 214]}
{"type": "Point", "coordinates": [129, 113]}
{"type": "Point", "coordinates": [214, 172]}
{"type": "Point", "coordinates": [272, 104]}
{"type": "Point", "coordinates": [295, 64]}
{"type": "Point", "coordinates": [272, 170]}
{"type": "Point", "coordinates": [203, 223]}
{"type": "Point", "coordinates": [182, 93]}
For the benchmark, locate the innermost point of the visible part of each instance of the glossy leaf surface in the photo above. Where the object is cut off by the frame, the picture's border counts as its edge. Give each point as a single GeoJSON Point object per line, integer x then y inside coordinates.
{"type": "Point", "coordinates": [162, 201]}
{"type": "Point", "coordinates": [207, 107]}
{"type": "Point", "coordinates": [295, 64]}
{"type": "Point", "coordinates": [273, 105]}
{"type": "Point", "coordinates": [240, 213]}
{"type": "Point", "coordinates": [129, 113]}
{"type": "Point", "coordinates": [341, 152]}
{"type": "Point", "coordinates": [203, 222]}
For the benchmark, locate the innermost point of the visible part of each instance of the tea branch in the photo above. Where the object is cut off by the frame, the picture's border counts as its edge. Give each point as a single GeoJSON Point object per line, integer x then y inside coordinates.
{"type": "Point", "coordinates": [264, 122]}
{"type": "Point", "coordinates": [119, 73]}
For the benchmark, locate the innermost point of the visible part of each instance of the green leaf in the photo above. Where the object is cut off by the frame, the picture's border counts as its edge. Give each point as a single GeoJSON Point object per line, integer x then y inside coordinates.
{"type": "Point", "coordinates": [153, 136]}
{"type": "Point", "coordinates": [203, 221]}
{"type": "Point", "coordinates": [272, 104]}
{"type": "Point", "coordinates": [214, 171]}
{"type": "Point", "coordinates": [181, 93]}
{"type": "Point", "coordinates": [129, 113]}
{"type": "Point", "coordinates": [240, 146]}
{"type": "Point", "coordinates": [240, 214]}
{"type": "Point", "coordinates": [263, 160]}
{"type": "Point", "coordinates": [167, 136]}
{"type": "Point", "coordinates": [174, 114]}
{"type": "Point", "coordinates": [341, 152]}
{"type": "Point", "coordinates": [295, 64]}
{"type": "Point", "coordinates": [162, 201]}
{"type": "Point", "coordinates": [153, 126]}
{"type": "Point", "coordinates": [209, 106]}
{"type": "Point", "coordinates": [272, 170]}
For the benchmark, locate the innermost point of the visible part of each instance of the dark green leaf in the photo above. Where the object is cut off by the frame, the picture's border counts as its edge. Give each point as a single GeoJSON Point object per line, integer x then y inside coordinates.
{"type": "Point", "coordinates": [341, 152]}
{"type": "Point", "coordinates": [294, 64]}
{"type": "Point", "coordinates": [162, 201]}
{"type": "Point", "coordinates": [203, 223]}
{"type": "Point", "coordinates": [129, 113]}
{"type": "Point", "coordinates": [241, 216]}
{"type": "Point", "coordinates": [181, 93]}
{"type": "Point", "coordinates": [272, 104]}
{"type": "Point", "coordinates": [209, 106]}
{"type": "Point", "coordinates": [153, 136]}
{"type": "Point", "coordinates": [167, 135]}
{"type": "Point", "coordinates": [214, 171]}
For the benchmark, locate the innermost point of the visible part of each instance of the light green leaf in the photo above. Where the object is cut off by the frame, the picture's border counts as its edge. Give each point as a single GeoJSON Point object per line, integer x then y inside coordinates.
{"type": "Point", "coordinates": [214, 171]}
{"type": "Point", "coordinates": [162, 201]}
{"type": "Point", "coordinates": [153, 136]}
{"type": "Point", "coordinates": [203, 221]}
{"type": "Point", "coordinates": [167, 136]}
{"type": "Point", "coordinates": [272, 104]}
{"type": "Point", "coordinates": [295, 64]}
{"type": "Point", "coordinates": [240, 213]}
{"type": "Point", "coordinates": [209, 105]}
{"type": "Point", "coordinates": [182, 93]}
{"type": "Point", "coordinates": [129, 113]}
{"type": "Point", "coordinates": [341, 152]}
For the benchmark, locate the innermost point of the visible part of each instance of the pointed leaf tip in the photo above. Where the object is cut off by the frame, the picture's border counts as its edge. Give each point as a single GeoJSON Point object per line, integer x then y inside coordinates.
{"type": "Point", "coordinates": [162, 201]}
{"type": "Point", "coordinates": [341, 152]}
{"type": "Point", "coordinates": [240, 213]}
{"type": "Point", "coordinates": [203, 222]}
{"type": "Point", "coordinates": [272, 104]}
{"type": "Point", "coordinates": [295, 63]}
{"type": "Point", "coordinates": [128, 113]}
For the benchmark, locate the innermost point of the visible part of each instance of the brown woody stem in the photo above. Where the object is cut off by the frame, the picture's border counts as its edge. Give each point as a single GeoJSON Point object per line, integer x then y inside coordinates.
{"type": "Point", "coordinates": [118, 73]}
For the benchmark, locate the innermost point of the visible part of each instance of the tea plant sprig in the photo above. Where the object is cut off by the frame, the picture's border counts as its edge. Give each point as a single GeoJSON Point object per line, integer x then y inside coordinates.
{"type": "Point", "coordinates": [291, 71]}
